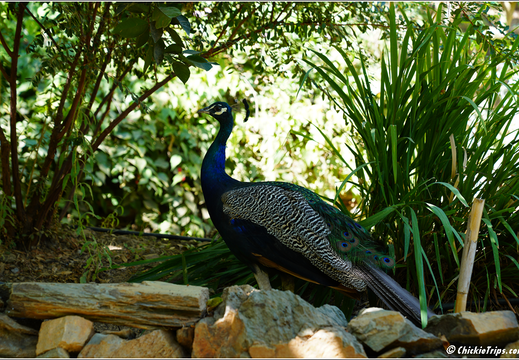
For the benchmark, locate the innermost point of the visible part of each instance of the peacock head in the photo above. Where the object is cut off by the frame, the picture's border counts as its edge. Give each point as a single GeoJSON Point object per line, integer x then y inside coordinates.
{"type": "Point", "coordinates": [221, 111]}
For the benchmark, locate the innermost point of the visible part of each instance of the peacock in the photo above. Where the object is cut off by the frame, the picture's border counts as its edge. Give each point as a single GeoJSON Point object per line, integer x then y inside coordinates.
{"type": "Point", "coordinates": [291, 229]}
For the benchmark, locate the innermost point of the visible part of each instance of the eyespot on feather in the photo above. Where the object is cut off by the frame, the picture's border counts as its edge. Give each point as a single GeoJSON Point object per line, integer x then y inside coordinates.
{"type": "Point", "coordinates": [347, 235]}
{"type": "Point", "coordinates": [344, 246]}
{"type": "Point", "coordinates": [354, 241]}
{"type": "Point", "coordinates": [386, 262]}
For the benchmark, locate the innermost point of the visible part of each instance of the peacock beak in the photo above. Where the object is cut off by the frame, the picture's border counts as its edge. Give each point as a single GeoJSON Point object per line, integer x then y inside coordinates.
{"type": "Point", "coordinates": [204, 110]}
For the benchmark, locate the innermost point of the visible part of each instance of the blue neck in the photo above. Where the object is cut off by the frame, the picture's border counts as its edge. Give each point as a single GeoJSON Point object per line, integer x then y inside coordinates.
{"type": "Point", "coordinates": [215, 180]}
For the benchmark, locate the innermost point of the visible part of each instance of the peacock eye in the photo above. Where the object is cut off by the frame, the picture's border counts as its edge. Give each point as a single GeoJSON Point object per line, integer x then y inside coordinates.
{"type": "Point", "coordinates": [368, 252]}
{"type": "Point", "coordinates": [343, 244]}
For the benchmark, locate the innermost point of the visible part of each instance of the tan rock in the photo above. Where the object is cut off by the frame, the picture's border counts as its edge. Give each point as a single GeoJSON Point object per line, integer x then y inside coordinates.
{"type": "Point", "coordinates": [263, 324]}
{"type": "Point", "coordinates": [186, 336]}
{"type": "Point", "coordinates": [16, 340]}
{"type": "Point", "coordinates": [511, 350]}
{"type": "Point", "coordinates": [381, 330]}
{"type": "Point", "coordinates": [55, 353]}
{"type": "Point", "coordinates": [156, 344]}
{"type": "Point", "coordinates": [397, 352]}
{"type": "Point", "coordinates": [69, 332]}
{"type": "Point", "coordinates": [467, 328]}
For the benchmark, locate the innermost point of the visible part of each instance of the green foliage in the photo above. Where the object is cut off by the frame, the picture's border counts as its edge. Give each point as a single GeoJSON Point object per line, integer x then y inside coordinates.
{"type": "Point", "coordinates": [83, 68]}
{"type": "Point", "coordinates": [402, 169]}
{"type": "Point", "coordinates": [432, 132]}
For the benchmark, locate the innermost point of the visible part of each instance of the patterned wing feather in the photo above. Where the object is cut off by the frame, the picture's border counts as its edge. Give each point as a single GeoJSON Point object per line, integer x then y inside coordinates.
{"type": "Point", "coordinates": [349, 239]}
{"type": "Point", "coordinates": [300, 220]}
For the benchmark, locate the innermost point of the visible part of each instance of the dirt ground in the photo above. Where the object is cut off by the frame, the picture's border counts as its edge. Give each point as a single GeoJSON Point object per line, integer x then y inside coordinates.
{"type": "Point", "coordinates": [65, 262]}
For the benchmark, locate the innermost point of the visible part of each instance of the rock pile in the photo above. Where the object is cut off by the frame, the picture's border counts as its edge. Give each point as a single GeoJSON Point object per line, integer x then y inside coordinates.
{"type": "Point", "coordinates": [252, 323]}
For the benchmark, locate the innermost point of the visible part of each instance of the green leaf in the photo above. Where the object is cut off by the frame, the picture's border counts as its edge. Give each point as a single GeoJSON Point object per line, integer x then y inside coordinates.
{"type": "Point", "coordinates": [184, 22]}
{"type": "Point", "coordinates": [170, 11]}
{"type": "Point", "coordinates": [419, 266]}
{"type": "Point", "coordinates": [303, 81]}
{"type": "Point", "coordinates": [454, 190]}
{"type": "Point", "coordinates": [392, 132]}
{"type": "Point", "coordinates": [378, 217]}
{"type": "Point", "coordinates": [495, 251]}
{"type": "Point", "coordinates": [174, 48]}
{"type": "Point", "coordinates": [199, 62]}
{"type": "Point", "coordinates": [156, 34]}
{"type": "Point", "coordinates": [482, 122]}
{"type": "Point", "coordinates": [139, 163]}
{"type": "Point", "coordinates": [148, 59]}
{"type": "Point", "coordinates": [131, 27]}
{"type": "Point", "coordinates": [142, 39]}
{"type": "Point", "coordinates": [158, 52]}
{"type": "Point", "coordinates": [182, 71]}
{"type": "Point", "coordinates": [174, 161]}
{"type": "Point", "coordinates": [175, 37]}
{"type": "Point", "coordinates": [138, 8]}
{"type": "Point", "coordinates": [162, 21]}
{"type": "Point", "coordinates": [447, 227]}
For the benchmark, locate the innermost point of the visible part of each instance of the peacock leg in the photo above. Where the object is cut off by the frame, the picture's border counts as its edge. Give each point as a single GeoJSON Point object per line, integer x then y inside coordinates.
{"type": "Point", "coordinates": [287, 282]}
{"type": "Point", "coordinates": [262, 278]}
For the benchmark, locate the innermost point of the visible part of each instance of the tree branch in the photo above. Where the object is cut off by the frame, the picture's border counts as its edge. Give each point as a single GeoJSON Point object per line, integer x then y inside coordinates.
{"type": "Point", "coordinates": [101, 27]}
{"type": "Point", "coordinates": [6, 170]}
{"type": "Point", "coordinates": [242, 22]}
{"type": "Point", "coordinates": [4, 44]}
{"type": "Point", "coordinates": [20, 211]}
{"type": "Point", "coordinates": [129, 109]}
{"type": "Point", "coordinates": [2, 70]}
{"type": "Point", "coordinates": [224, 30]}
{"type": "Point", "coordinates": [54, 138]}
{"type": "Point", "coordinates": [49, 34]}
{"type": "Point", "coordinates": [108, 100]}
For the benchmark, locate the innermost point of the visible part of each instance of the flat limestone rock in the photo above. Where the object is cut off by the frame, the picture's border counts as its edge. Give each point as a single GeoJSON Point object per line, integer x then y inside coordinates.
{"type": "Point", "coordinates": [494, 328]}
{"type": "Point", "coordinates": [149, 305]}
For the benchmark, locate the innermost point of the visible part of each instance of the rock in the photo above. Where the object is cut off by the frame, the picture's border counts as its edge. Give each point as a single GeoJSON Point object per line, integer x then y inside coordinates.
{"type": "Point", "coordinates": [511, 350]}
{"type": "Point", "coordinates": [382, 329]}
{"type": "Point", "coordinates": [158, 343]}
{"type": "Point", "coordinates": [494, 328]}
{"type": "Point", "coordinates": [125, 333]}
{"type": "Point", "coordinates": [148, 305]}
{"type": "Point", "coordinates": [16, 340]}
{"type": "Point", "coordinates": [252, 323]}
{"type": "Point", "coordinates": [69, 332]}
{"type": "Point", "coordinates": [186, 336]}
{"type": "Point", "coordinates": [436, 354]}
{"type": "Point", "coordinates": [397, 352]}
{"type": "Point", "coordinates": [55, 353]}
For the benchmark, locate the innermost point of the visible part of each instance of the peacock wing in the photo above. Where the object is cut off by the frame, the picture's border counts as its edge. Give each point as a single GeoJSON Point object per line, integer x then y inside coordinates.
{"type": "Point", "coordinates": [287, 215]}
{"type": "Point", "coordinates": [347, 238]}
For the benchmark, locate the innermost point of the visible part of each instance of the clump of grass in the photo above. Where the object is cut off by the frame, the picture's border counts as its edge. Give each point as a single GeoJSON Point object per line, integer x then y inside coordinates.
{"type": "Point", "coordinates": [435, 138]}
